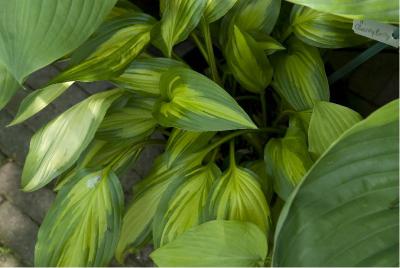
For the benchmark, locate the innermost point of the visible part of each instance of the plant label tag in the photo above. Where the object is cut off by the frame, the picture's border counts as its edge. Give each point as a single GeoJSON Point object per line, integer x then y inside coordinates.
{"type": "Point", "coordinates": [381, 32]}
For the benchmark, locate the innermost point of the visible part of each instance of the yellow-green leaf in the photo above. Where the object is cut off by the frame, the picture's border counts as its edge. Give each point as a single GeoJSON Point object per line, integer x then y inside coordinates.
{"type": "Point", "coordinates": [38, 100]}
{"type": "Point", "coordinates": [193, 102]}
{"type": "Point", "coordinates": [300, 76]}
{"type": "Point", "coordinates": [34, 33]}
{"type": "Point", "coordinates": [380, 10]}
{"type": "Point", "coordinates": [111, 49]}
{"type": "Point", "coordinates": [265, 181]}
{"type": "Point", "coordinates": [179, 18]}
{"type": "Point", "coordinates": [182, 204]}
{"type": "Point", "coordinates": [328, 122]}
{"type": "Point", "coordinates": [83, 225]}
{"type": "Point", "coordinates": [215, 243]}
{"type": "Point", "coordinates": [248, 62]}
{"type": "Point", "coordinates": [143, 75]}
{"type": "Point", "coordinates": [55, 147]}
{"type": "Point", "coordinates": [8, 86]}
{"type": "Point", "coordinates": [216, 9]}
{"type": "Point", "coordinates": [287, 159]}
{"type": "Point", "coordinates": [322, 29]}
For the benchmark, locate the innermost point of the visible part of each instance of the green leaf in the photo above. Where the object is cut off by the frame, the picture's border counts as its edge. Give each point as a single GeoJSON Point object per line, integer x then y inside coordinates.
{"type": "Point", "coordinates": [322, 29]}
{"type": "Point", "coordinates": [385, 11]}
{"type": "Point", "coordinates": [55, 147]}
{"type": "Point", "coordinates": [216, 9]}
{"type": "Point", "coordinates": [8, 86]}
{"type": "Point", "coordinates": [238, 196]}
{"type": "Point", "coordinates": [110, 50]}
{"type": "Point", "coordinates": [345, 212]}
{"type": "Point", "coordinates": [193, 102]}
{"type": "Point", "coordinates": [38, 100]}
{"type": "Point", "coordinates": [215, 243]}
{"type": "Point", "coordinates": [143, 75]}
{"type": "Point", "coordinates": [134, 121]}
{"type": "Point", "coordinates": [182, 204]}
{"type": "Point", "coordinates": [83, 225]}
{"type": "Point", "coordinates": [265, 181]}
{"type": "Point", "coordinates": [328, 122]}
{"type": "Point", "coordinates": [34, 33]}
{"type": "Point", "coordinates": [179, 19]}
{"type": "Point", "coordinates": [248, 62]}
{"type": "Point", "coordinates": [300, 75]}
{"type": "Point", "coordinates": [267, 43]}
{"type": "Point", "coordinates": [287, 159]}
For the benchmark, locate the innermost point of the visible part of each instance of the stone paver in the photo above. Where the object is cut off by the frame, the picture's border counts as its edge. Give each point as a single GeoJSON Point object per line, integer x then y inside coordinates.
{"type": "Point", "coordinates": [8, 259]}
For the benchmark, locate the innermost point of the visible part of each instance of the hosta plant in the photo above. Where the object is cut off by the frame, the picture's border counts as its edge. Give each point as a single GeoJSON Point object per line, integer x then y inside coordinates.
{"type": "Point", "coordinates": [259, 167]}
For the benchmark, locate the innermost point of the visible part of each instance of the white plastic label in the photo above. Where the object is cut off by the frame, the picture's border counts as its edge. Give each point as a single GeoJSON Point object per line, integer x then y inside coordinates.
{"type": "Point", "coordinates": [377, 31]}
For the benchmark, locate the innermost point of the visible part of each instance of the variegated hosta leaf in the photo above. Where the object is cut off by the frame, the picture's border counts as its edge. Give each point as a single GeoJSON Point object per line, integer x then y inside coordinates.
{"type": "Point", "coordinates": [182, 204]}
{"type": "Point", "coordinates": [193, 102]}
{"type": "Point", "coordinates": [238, 196]}
{"type": "Point", "coordinates": [250, 16]}
{"type": "Point", "coordinates": [134, 122]}
{"type": "Point", "coordinates": [214, 244]}
{"type": "Point", "coordinates": [265, 181]}
{"type": "Point", "coordinates": [328, 122]}
{"type": "Point", "coordinates": [248, 62]}
{"type": "Point", "coordinates": [110, 50]}
{"type": "Point", "coordinates": [380, 10]}
{"type": "Point", "coordinates": [267, 43]}
{"type": "Point", "coordinates": [34, 33]}
{"type": "Point", "coordinates": [83, 225]}
{"type": "Point", "coordinates": [216, 9]}
{"type": "Point", "coordinates": [299, 75]}
{"type": "Point", "coordinates": [55, 147]}
{"type": "Point", "coordinates": [287, 159]}
{"type": "Point", "coordinates": [178, 159]}
{"type": "Point", "coordinates": [143, 75]}
{"type": "Point", "coordinates": [121, 9]}
{"type": "Point", "coordinates": [179, 18]}
{"type": "Point", "coordinates": [322, 29]}
{"type": "Point", "coordinates": [8, 86]}
{"type": "Point", "coordinates": [38, 100]}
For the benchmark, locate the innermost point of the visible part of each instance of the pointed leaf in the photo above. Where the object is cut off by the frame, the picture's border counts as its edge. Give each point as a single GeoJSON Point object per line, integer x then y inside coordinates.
{"type": "Point", "coordinates": [248, 62]}
{"type": "Point", "coordinates": [322, 29]}
{"type": "Point", "coordinates": [179, 19]}
{"type": "Point", "coordinates": [216, 9]}
{"type": "Point", "coordinates": [38, 100]}
{"type": "Point", "coordinates": [300, 75]}
{"type": "Point", "coordinates": [385, 11]}
{"type": "Point", "coordinates": [34, 33]}
{"type": "Point", "coordinates": [143, 75]}
{"type": "Point", "coordinates": [345, 211]}
{"type": "Point", "coordinates": [193, 102]}
{"type": "Point", "coordinates": [182, 203]}
{"type": "Point", "coordinates": [287, 159]}
{"type": "Point", "coordinates": [55, 147]}
{"type": "Point", "coordinates": [8, 86]}
{"type": "Point", "coordinates": [215, 243]}
{"type": "Point", "coordinates": [83, 225]}
{"type": "Point", "coordinates": [328, 122]}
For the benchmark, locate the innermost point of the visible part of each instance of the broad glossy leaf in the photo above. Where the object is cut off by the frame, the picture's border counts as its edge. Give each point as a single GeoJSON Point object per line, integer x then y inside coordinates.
{"type": "Point", "coordinates": [328, 122]}
{"type": "Point", "coordinates": [322, 29]}
{"type": "Point", "coordinates": [179, 18]}
{"type": "Point", "coordinates": [34, 33]}
{"type": "Point", "coordinates": [265, 181]}
{"type": "Point", "coordinates": [182, 204]}
{"type": "Point", "coordinates": [55, 147]}
{"type": "Point", "coordinates": [134, 121]}
{"type": "Point", "coordinates": [380, 10]}
{"type": "Point", "coordinates": [193, 102]}
{"type": "Point", "coordinates": [248, 62]}
{"type": "Point", "coordinates": [38, 100]}
{"type": "Point", "coordinates": [110, 50]}
{"type": "Point", "coordinates": [299, 75]}
{"type": "Point", "coordinates": [287, 159]}
{"type": "Point", "coordinates": [215, 243]}
{"type": "Point", "coordinates": [238, 196]}
{"type": "Point", "coordinates": [8, 86]}
{"type": "Point", "coordinates": [83, 225]}
{"type": "Point", "coordinates": [143, 75]}
{"type": "Point", "coordinates": [345, 211]}
{"type": "Point", "coordinates": [216, 9]}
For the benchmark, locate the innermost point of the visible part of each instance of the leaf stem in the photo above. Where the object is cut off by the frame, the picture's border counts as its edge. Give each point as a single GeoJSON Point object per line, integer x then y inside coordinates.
{"type": "Point", "coordinates": [199, 44]}
{"type": "Point", "coordinates": [205, 28]}
{"type": "Point", "coordinates": [232, 161]}
{"type": "Point", "coordinates": [286, 34]}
